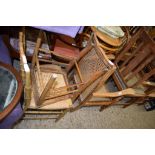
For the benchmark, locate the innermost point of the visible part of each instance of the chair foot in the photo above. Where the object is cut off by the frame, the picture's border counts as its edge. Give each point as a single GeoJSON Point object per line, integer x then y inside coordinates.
{"type": "Point", "coordinates": [61, 115]}
{"type": "Point", "coordinates": [140, 103]}
{"type": "Point", "coordinates": [132, 101]}
{"type": "Point", "coordinates": [125, 106]}
{"type": "Point", "coordinates": [103, 108]}
{"type": "Point", "coordinates": [76, 108]}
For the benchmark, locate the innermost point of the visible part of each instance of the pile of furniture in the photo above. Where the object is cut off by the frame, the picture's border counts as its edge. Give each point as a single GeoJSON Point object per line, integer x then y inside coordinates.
{"type": "Point", "coordinates": [102, 66]}
{"type": "Point", "coordinates": [57, 87]}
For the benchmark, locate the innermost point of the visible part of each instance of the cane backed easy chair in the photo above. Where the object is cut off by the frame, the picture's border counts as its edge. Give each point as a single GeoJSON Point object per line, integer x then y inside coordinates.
{"type": "Point", "coordinates": [95, 69]}
{"type": "Point", "coordinates": [133, 76]}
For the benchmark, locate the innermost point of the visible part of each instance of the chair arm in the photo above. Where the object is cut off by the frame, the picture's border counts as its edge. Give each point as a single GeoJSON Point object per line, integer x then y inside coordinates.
{"type": "Point", "coordinates": [125, 92]}
{"type": "Point", "coordinates": [148, 83]}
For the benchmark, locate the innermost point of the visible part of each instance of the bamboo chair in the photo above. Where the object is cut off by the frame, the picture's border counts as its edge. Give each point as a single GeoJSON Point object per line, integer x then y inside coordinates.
{"type": "Point", "coordinates": [83, 75]}
{"type": "Point", "coordinates": [49, 111]}
{"type": "Point", "coordinates": [133, 75]}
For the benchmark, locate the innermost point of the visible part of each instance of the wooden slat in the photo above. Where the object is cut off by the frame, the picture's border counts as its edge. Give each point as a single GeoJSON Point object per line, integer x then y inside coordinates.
{"type": "Point", "coordinates": [78, 70]}
{"type": "Point", "coordinates": [49, 84]}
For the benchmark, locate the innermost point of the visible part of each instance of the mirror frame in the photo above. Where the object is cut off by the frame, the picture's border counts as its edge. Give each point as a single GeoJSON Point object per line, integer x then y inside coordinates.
{"type": "Point", "coordinates": [18, 94]}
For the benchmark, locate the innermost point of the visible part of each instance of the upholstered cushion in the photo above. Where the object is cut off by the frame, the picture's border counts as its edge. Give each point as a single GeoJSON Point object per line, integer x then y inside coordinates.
{"type": "Point", "coordinates": [112, 31]}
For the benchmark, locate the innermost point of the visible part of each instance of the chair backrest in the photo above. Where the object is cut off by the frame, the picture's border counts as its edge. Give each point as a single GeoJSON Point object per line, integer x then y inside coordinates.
{"type": "Point", "coordinates": [94, 62]}
{"type": "Point", "coordinates": [25, 72]}
{"type": "Point", "coordinates": [92, 67]}
{"type": "Point", "coordinates": [139, 63]}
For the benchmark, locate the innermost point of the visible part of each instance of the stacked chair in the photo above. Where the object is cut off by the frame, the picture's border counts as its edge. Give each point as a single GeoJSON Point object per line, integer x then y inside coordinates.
{"type": "Point", "coordinates": [112, 38]}
{"type": "Point", "coordinates": [134, 76]}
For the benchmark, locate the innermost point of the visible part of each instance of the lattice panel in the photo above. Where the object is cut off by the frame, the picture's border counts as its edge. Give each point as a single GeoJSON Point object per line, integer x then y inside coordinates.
{"type": "Point", "coordinates": [91, 64]}
{"type": "Point", "coordinates": [60, 82]}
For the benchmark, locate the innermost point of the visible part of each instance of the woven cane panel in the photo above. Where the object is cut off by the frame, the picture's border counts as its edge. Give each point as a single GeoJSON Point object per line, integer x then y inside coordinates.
{"type": "Point", "coordinates": [45, 76]}
{"type": "Point", "coordinates": [90, 64]}
{"type": "Point", "coordinates": [55, 103]}
{"type": "Point", "coordinates": [63, 104]}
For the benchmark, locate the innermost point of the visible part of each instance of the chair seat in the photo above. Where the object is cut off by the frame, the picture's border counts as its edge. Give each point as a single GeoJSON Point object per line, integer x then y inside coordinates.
{"type": "Point", "coordinates": [98, 101]}
{"type": "Point", "coordinates": [105, 88]}
{"type": "Point", "coordinates": [64, 104]}
{"type": "Point", "coordinates": [54, 103]}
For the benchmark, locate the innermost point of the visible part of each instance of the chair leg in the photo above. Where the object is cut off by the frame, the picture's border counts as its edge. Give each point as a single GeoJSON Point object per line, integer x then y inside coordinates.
{"type": "Point", "coordinates": [103, 107]}
{"type": "Point", "coordinates": [81, 104]}
{"type": "Point", "coordinates": [77, 107]}
{"type": "Point", "coordinates": [132, 101]}
{"type": "Point", "coordinates": [140, 101]}
{"type": "Point", "coordinates": [62, 115]}
{"type": "Point", "coordinates": [112, 102]}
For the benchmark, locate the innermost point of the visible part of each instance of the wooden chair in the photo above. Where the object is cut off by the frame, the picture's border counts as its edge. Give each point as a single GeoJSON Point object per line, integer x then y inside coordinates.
{"type": "Point", "coordinates": [95, 69]}
{"type": "Point", "coordinates": [133, 75]}
{"type": "Point", "coordinates": [31, 108]}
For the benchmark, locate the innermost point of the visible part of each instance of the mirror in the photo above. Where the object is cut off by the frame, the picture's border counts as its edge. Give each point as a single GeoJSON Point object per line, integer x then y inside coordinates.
{"type": "Point", "coordinates": [8, 87]}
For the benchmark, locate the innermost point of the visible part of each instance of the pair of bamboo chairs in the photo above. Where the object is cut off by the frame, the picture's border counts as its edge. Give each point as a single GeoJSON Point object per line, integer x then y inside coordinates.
{"type": "Point", "coordinates": [52, 88]}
